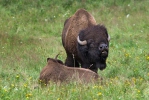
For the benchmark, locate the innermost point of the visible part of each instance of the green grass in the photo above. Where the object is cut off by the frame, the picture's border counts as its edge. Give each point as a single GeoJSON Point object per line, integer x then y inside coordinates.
{"type": "Point", "coordinates": [30, 31]}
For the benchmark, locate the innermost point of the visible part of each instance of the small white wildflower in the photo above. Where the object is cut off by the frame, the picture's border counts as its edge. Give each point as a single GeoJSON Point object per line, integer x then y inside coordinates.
{"type": "Point", "coordinates": [128, 5]}
{"type": "Point", "coordinates": [141, 31]}
{"type": "Point", "coordinates": [5, 87]}
{"type": "Point", "coordinates": [16, 89]}
{"type": "Point", "coordinates": [127, 15]}
{"type": "Point", "coordinates": [13, 17]}
{"type": "Point", "coordinates": [45, 20]}
{"type": "Point", "coordinates": [134, 24]}
{"type": "Point", "coordinates": [3, 47]}
{"type": "Point", "coordinates": [54, 16]}
{"type": "Point", "coordinates": [64, 14]}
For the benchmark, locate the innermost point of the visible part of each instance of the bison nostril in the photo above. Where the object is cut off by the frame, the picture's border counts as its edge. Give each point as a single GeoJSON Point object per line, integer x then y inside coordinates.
{"type": "Point", "coordinates": [103, 46]}
{"type": "Point", "coordinates": [100, 47]}
{"type": "Point", "coordinates": [106, 46]}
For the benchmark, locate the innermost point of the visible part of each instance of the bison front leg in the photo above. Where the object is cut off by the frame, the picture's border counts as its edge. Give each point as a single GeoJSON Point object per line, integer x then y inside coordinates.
{"type": "Point", "coordinates": [94, 68]}
{"type": "Point", "coordinates": [90, 66]}
{"type": "Point", "coordinates": [71, 61]}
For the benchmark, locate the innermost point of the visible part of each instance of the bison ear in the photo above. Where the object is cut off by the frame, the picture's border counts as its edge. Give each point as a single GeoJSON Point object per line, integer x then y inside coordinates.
{"type": "Point", "coordinates": [81, 34]}
{"type": "Point", "coordinates": [48, 59]}
{"type": "Point", "coordinates": [108, 37]}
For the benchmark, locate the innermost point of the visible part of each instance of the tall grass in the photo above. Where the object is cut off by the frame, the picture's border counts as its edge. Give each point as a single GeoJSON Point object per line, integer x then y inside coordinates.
{"type": "Point", "coordinates": [30, 31]}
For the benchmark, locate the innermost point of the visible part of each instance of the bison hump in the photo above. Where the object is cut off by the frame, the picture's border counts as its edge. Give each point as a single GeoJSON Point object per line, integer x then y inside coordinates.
{"type": "Point", "coordinates": [79, 21]}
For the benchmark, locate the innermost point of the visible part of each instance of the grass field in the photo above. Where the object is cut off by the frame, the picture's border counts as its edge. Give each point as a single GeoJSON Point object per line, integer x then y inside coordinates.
{"type": "Point", "coordinates": [30, 31]}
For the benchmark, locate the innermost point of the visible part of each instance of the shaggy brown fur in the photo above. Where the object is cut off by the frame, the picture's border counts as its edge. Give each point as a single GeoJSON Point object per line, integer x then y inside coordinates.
{"type": "Point", "coordinates": [73, 25]}
{"type": "Point", "coordinates": [56, 71]}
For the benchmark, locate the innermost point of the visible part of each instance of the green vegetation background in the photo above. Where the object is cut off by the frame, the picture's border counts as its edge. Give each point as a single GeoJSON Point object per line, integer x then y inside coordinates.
{"type": "Point", "coordinates": [30, 31]}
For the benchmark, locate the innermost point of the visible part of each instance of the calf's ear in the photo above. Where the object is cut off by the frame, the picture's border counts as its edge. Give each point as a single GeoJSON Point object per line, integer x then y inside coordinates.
{"type": "Point", "coordinates": [48, 59]}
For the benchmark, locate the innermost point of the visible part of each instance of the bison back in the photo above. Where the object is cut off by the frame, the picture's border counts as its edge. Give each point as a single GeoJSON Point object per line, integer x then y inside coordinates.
{"type": "Point", "coordinates": [72, 26]}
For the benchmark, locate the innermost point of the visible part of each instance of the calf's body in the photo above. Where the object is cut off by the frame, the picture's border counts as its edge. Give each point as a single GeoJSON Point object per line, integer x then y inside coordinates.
{"type": "Point", "coordinates": [56, 71]}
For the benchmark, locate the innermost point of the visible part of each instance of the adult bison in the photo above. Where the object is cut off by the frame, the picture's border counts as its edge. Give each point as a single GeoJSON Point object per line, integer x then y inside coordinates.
{"type": "Point", "coordinates": [85, 42]}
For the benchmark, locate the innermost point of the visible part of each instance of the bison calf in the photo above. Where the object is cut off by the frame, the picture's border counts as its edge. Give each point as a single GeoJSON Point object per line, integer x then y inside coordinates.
{"type": "Point", "coordinates": [56, 71]}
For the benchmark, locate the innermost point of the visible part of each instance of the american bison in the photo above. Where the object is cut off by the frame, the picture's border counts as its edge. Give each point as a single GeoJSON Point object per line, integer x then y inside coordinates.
{"type": "Point", "coordinates": [85, 42]}
{"type": "Point", "coordinates": [56, 71]}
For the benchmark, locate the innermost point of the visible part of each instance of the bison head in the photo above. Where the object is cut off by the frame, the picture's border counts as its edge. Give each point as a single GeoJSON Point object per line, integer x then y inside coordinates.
{"type": "Point", "coordinates": [93, 47]}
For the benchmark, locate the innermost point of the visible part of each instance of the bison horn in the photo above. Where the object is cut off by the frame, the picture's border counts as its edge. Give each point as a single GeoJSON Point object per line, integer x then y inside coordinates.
{"type": "Point", "coordinates": [57, 55]}
{"type": "Point", "coordinates": [108, 37]}
{"type": "Point", "coordinates": [81, 42]}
